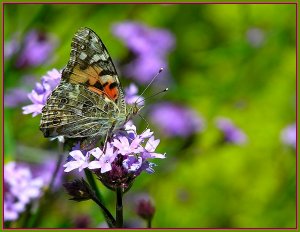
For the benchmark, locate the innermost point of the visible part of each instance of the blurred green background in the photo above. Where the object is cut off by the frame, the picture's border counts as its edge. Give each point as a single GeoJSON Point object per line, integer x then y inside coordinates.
{"type": "Point", "coordinates": [217, 69]}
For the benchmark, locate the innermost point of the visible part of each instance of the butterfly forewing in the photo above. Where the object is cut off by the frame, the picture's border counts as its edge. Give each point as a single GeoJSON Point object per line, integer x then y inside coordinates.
{"type": "Point", "coordinates": [91, 65]}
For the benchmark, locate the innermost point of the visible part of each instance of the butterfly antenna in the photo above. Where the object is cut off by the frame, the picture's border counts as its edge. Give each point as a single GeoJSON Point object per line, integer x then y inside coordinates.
{"type": "Point", "coordinates": [150, 83]}
{"type": "Point", "coordinates": [162, 91]}
{"type": "Point", "coordinates": [144, 121]}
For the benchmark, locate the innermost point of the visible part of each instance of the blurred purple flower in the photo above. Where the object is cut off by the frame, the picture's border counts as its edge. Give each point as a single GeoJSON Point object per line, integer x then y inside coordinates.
{"type": "Point", "coordinates": [175, 120]}
{"type": "Point", "coordinates": [289, 135]}
{"type": "Point", "coordinates": [46, 170]}
{"type": "Point", "coordinates": [145, 209]}
{"type": "Point", "coordinates": [11, 47]}
{"type": "Point", "coordinates": [131, 95]}
{"type": "Point", "coordinates": [145, 67]}
{"type": "Point", "coordinates": [149, 46]}
{"type": "Point", "coordinates": [37, 49]}
{"type": "Point", "coordinates": [20, 188]}
{"type": "Point", "coordinates": [41, 92]}
{"type": "Point", "coordinates": [15, 97]}
{"type": "Point", "coordinates": [231, 133]}
{"type": "Point", "coordinates": [255, 37]}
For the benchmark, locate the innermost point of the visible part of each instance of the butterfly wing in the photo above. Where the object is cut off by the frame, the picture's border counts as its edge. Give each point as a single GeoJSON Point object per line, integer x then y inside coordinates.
{"type": "Point", "coordinates": [75, 112]}
{"type": "Point", "coordinates": [91, 65]}
{"type": "Point", "coordinates": [89, 98]}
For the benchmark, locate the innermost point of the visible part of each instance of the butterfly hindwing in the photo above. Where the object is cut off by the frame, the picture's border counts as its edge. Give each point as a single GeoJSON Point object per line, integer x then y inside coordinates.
{"type": "Point", "coordinates": [74, 111]}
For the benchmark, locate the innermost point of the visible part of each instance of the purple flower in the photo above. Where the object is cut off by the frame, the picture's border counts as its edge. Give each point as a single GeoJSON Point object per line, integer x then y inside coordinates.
{"type": "Point", "coordinates": [145, 67]}
{"type": "Point", "coordinates": [142, 39]}
{"type": "Point", "coordinates": [11, 47]}
{"type": "Point", "coordinates": [231, 133]}
{"type": "Point", "coordinates": [41, 92]}
{"type": "Point", "coordinates": [288, 135]}
{"type": "Point", "coordinates": [79, 161]}
{"type": "Point", "coordinates": [124, 158]}
{"type": "Point", "coordinates": [46, 170]}
{"type": "Point", "coordinates": [131, 95]}
{"type": "Point", "coordinates": [145, 208]}
{"type": "Point", "coordinates": [133, 163]}
{"type": "Point", "coordinates": [15, 97]}
{"type": "Point", "coordinates": [175, 120]}
{"type": "Point", "coordinates": [149, 46]}
{"type": "Point", "coordinates": [104, 160]}
{"type": "Point", "coordinates": [149, 152]}
{"type": "Point", "coordinates": [20, 188]}
{"type": "Point", "coordinates": [37, 49]}
{"type": "Point", "coordinates": [127, 146]}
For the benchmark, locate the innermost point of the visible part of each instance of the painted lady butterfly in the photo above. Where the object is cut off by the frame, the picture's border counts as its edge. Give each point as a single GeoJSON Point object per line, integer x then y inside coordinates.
{"type": "Point", "coordinates": [89, 101]}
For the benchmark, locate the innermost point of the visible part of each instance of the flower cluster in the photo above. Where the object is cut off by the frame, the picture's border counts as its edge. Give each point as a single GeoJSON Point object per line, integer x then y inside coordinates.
{"type": "Point", "coordinates": [149, 47]}
{"type": "Point", "coordinates": [41, 92]}
{"type": "Point", "coordinates": [126, 155]}
{"type": "Point", "coordinates": [231, 133]}
{"type": "Point", "coordinates": [20, 188]}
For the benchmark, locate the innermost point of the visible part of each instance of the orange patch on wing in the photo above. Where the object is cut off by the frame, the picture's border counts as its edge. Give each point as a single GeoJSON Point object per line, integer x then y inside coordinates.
{"type": "Point", "coordinates": [95, 90]}
{"type": "Point", "coordinates": [113, 93]}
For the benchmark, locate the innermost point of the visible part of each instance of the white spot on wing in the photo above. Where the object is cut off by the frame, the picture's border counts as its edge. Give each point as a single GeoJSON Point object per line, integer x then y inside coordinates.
{"type": "Point", "coordinates": [82, 56]}
{"type": "Point", "coordinates": [95, 40]}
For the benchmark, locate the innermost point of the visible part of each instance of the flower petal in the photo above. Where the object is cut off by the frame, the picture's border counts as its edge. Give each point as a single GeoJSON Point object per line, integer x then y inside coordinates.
{"type": "Point", "coordinates": [95, 165]}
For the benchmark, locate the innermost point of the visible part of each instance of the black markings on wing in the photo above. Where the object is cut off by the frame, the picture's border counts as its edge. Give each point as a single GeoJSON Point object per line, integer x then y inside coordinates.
{"type": "Point", "coordinates": [89, 53]}
{"type": "Point", "coordinates": [87, 49]}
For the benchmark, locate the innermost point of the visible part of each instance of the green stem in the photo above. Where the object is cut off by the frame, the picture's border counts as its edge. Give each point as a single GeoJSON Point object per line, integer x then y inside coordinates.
{"type": "Point", "coordinates": [7, 224]}
{"type": "Point", "coordinates": [58, 165]}
{"type": "Point", "coordinates": [26, 216]}
{"type": "Point", "coordinates": [119, 208]}
{"type": "Point", "coordinates": [99, 199]}
{"type": "Point", "coordinates": [91, 180]}
{"type": "Point", "coordinates": [149, 223]}
{"type": "Point", "coordinates": [107, 215]}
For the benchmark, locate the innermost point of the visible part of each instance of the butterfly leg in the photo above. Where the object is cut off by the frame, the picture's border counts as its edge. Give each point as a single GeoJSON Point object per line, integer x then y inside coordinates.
{"type": "Point", "coordinates": [108, 133]}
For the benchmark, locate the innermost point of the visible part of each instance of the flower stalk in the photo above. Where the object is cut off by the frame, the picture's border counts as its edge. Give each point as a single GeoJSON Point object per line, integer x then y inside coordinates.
{"type": "Point", "coordinates": [119, 208]}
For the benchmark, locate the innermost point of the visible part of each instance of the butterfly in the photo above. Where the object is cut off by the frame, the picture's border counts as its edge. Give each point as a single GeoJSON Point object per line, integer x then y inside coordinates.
{"type": "Point", "coordinates": [89, 101]}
